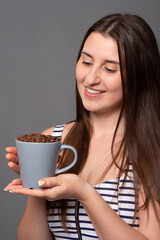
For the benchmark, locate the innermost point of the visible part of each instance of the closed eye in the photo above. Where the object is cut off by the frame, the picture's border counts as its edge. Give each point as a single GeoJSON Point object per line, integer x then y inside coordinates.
{"type": "Point", "coordinates": [86, 63]}
{"type": "Point", "coordinates": [110, 70]}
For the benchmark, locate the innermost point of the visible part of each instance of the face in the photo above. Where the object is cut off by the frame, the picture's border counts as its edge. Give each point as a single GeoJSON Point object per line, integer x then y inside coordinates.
{"type": "Point", "coordinates": [98, 75]}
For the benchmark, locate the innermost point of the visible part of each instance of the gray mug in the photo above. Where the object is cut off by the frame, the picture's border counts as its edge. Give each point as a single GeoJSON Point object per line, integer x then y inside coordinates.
{"type": "Point", "coordinates": [38, 160]}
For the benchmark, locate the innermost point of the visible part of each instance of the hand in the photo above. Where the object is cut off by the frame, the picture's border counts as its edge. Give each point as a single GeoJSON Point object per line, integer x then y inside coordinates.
{"type": "Point", "coordinates": [63, 186]}
{"type": "Point", "coordinates": [13, 159]}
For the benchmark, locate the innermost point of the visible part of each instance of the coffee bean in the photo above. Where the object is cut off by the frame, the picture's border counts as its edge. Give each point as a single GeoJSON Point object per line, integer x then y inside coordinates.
{"type": "Point", "coordinates": [38, 137]}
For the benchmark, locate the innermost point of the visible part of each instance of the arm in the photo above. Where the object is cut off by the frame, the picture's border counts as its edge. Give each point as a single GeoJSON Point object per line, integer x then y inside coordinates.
{"type": "Point", "coordinates": [107, 223]}
{"type": "Point", "coordinates": [33, 225]}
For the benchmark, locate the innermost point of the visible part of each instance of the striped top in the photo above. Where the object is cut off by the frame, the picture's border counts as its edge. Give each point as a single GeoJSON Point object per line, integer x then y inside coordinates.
{"type": "Point", "coordinates": [118, 193]}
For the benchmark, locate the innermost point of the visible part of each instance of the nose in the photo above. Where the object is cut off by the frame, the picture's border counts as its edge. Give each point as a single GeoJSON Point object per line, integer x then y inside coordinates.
{"type": "Point", "coordinates": [93, 77]}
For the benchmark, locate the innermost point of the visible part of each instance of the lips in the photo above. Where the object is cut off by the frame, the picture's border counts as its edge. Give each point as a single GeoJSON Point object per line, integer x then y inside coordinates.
{"type": "Point", "coordinates": [93, 92]}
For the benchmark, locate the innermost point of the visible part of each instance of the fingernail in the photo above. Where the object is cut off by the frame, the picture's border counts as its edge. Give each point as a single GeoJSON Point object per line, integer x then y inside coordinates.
{"type": "Point", "coordinates": [41, 183]}
{"type": "Point", "coordinates": [9, 164]}
{"type": "Point", "coordinates": [7, 190]}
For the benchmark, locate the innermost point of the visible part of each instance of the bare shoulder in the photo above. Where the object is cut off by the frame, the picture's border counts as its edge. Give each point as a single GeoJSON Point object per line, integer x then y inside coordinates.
{"type": "Point", "coordinates": [66, 129]}
{"type": "Point", "coordinates": [48, 131]}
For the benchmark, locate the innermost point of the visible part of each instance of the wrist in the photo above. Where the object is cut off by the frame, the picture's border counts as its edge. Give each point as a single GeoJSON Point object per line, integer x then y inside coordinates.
{"type": "Point", "coordinates": [86, 192]}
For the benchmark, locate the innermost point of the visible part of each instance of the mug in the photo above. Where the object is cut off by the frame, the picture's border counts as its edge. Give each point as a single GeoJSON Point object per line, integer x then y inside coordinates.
{"type": "Point", "coordinates": [38, 160]}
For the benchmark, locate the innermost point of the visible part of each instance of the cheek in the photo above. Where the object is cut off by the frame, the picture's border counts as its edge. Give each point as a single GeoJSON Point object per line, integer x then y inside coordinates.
{"type": "Point", "coordinates": [114, 84]}
{"type": "Point", "coordinates": [117, 88]}
{"type": "Point", "coordinates": [79, 73]}
{"type": "Point", "coordinates": [78, 78]}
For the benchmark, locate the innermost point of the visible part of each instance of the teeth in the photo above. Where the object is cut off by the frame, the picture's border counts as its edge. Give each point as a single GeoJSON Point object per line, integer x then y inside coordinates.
{"type": "Point", "coordinates": [93, 91]}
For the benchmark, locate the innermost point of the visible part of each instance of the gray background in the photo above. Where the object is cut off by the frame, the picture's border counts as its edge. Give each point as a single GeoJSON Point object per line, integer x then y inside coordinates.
{"type": "Point", "coordinates": [39, 41]}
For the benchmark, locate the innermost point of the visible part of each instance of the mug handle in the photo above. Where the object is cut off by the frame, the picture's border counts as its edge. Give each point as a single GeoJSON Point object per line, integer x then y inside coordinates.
{"type": "Point", "coordinates": [64, 146]}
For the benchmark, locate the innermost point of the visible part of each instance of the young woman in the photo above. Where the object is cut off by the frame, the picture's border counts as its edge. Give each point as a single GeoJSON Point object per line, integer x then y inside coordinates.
{"type": "Point", "coordinates": [113, 191]}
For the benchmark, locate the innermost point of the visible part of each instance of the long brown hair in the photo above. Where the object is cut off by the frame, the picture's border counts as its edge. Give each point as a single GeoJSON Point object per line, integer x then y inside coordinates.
{"type": "Point", "coordinates": [140, 70]}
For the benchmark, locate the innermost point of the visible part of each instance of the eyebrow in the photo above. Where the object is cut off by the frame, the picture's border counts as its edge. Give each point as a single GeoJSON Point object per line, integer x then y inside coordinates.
{"type": "Point", "coordinates": [106, 60]}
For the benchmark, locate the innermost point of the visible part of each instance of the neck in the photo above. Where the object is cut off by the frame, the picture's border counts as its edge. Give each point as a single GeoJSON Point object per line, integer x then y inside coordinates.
{"type": "Point", "coordinates": [105, 123]}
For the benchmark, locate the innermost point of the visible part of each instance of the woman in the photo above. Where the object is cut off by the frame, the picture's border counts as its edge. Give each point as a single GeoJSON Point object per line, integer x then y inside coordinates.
{"type": "Point", "coordinates": [113, 191]}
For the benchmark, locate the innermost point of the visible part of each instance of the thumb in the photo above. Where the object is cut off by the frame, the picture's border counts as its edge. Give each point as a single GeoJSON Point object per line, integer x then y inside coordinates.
{"type": "Point", "coordinates": [49, 182]}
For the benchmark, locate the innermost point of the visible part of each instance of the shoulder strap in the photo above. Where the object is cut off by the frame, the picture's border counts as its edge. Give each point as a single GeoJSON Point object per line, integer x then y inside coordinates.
{"type": "Point", "coordinates": [58, 130]}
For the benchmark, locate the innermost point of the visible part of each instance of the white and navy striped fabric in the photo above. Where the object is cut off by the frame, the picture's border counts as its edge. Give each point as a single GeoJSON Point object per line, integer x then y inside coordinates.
{"type": "Point", "coordinates": [120, 195]}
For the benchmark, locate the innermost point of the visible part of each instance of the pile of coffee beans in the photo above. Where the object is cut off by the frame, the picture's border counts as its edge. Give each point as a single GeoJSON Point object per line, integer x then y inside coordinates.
{"type": "Point", "coordinates": [38, 137]}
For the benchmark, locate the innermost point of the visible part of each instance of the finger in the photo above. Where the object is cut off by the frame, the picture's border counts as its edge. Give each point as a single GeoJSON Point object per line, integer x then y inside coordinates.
{"type": "Point", "coordinates": [19, 189]}
{"type": "Point", "coordinates": [11, 185]}
{"type": "Point", "coordinates": [50, 182]}
{"type": "Point", "coordinates": [11, 157]}
{"type": "Point", "coordinates": [17, 181]}
{"type": "Point", "coordinates": [46, 193]}
{"type": "Point", "coordinates": [14, 167]}
{"type": "Point", "coordinates": [16, 187]}
{"type": "Point", "coordinates": [11, 150]}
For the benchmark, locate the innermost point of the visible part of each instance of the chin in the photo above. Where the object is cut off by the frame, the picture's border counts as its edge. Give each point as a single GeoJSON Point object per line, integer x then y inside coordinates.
{"type": "Point", "coordinates": [102, 110]}
{"type": "Point", "coordinates": [92, 109]}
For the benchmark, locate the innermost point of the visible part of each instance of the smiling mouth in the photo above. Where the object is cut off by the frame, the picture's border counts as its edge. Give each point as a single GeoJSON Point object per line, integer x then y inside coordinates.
{"type": "Point", "coordinates": [89, 90]}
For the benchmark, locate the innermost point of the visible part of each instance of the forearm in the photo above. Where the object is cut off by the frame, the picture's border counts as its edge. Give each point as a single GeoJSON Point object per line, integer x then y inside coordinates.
{"type": "Point", "coordinates": [106, 222]}
{"type": "Point", "coordinates": [33, 225]}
